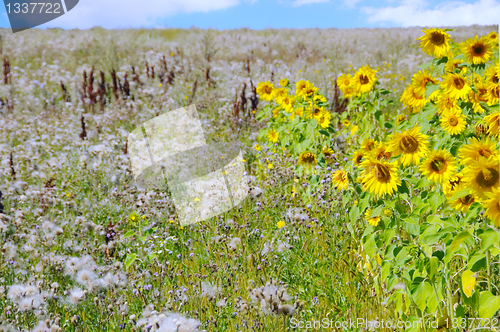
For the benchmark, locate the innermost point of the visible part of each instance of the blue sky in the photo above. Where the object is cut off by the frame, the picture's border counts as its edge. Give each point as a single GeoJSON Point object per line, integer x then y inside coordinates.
{"type": "Point", "coordinates": [260, 14]}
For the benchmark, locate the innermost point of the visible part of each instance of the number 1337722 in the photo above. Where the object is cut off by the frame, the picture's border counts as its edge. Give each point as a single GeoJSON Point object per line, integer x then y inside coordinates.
{"type": "Point", "coordinates": [34, 8]}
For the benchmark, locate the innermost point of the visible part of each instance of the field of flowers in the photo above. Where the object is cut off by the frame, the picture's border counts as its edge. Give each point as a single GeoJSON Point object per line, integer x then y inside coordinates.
{"type": "Point", "coordinates": [372, 157]}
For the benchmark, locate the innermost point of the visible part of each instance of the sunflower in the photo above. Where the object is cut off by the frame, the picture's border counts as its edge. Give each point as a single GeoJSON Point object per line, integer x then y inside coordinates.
{"type": "Point", "coordinates": [316, 112]}
{"type": "Point", "coordinates": [319, 99]}
{"type": "Point", "coordinates": [284, 82]}
{"type": "Point", "coordinates": [481, 128]}
{"type": "Point", "coordinates": [299, 111]}
{"type": "Point", "coordinates": [435, 42]}
{"type": "Point", "coordinates": [265, 90]}
{"type": "Point", "coordinates": [474, 99]}
{"type": "Point", "coordinates": [493, 38]}
{"type": "Point", "coordinates": [453, 122]}
{"type": "Point", "coordinates": [477, 50]}
{"type": "Point", "coordinates": [368, 144]}
{"type": "Point", "coordinates": [420, 80]}
{"type": "Point", "coordinates": [324, 119]}
{"type": "Point", "coordinates": [364, 79]}
{"type": "Point", "coordinates": [344, 81]}
{"type": "Point", "coordinates": [305, 89]}
{"type": "Point", "coordinates": [357, 158]}
{"type": "Point", "coordinates": [445, 103]}
{"type": "Point", "coordinates": [492, 205]}
{"type": "Point", "coordinates": [299, 87]}
{"type": "Point", "coordinates": [476, 78]}
{"type": "Point", "coordinates": [414, 101]}
{"type": "Point", "coordinates": [273, 136]}
{"type": "Point", "coordinates": [492, 94]}
{"type": "Point", "coordinates": [492, 122]}
{"type": "Point", "coordinates": [276, 112]}
{"type": "Point", "coordinates": [439, 166]}
{"type": "Point", "coordinates": [340, 179]}
{"type": "Point", "coordinates": [453, 64]}
{"type": "Point", "coordinates": [476, 150]}
{"type": "Point", "coordinates": [349, 91]}
{"type": "Point", "coordinates": [328, 153]}
{"type": "Point", "coordinates": [482, 176]}
{"type": "Point", "coordinates": [380, 152]}
{"type": "Point", "coordinates": [374, 221]}
{"type": "Point", "coordinates": [279, 94]}
{"type": "Point", "coordinates": [456, 86]}
{"type": "Point", "coordinates": [380, 177]}
{"type": "Point", "coordinates": [400, 118]}
{"type": "Point", "coordinates": [307, 159]}
{"type": "Point", "coordinates": [491, 74]}
{"type": "Point", "coordinates": [482, 91]}
{"type": "Point", "coordinates": [287, 103]}
{"type": "Point", "coordinates": [463, 203]}
{"type": "Point", "coordinates": [451, 184]}
{"type": "Point", "coordinates": [412, 144]}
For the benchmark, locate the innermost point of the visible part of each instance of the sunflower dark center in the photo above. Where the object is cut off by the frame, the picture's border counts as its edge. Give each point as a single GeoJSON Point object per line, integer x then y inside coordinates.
{"type": "Point", "coordinates": [467, 200]}
{"type": "Point", "coordinates": [437, 38]}
{"type": "Point", "coordinates": [384, 155]}
{"type": "Point", "coordinates": [359, 158]}
{"type": "Point", "coordinates": [478, 49]}
{"type": "Point", "coordinates": [453, 121]}
{"type": "Point", "coordinates": [487, 177]}
{"type": "Point", "coordinates": [427, 80]}
{"type": "Point", "coordinates": [408, 144]}
{"type": "Point", "coordinates": [459, 83]}
{"type": "Point", "coordinates": [382, 173]}
{"type": "Point", "coordinates": [364, 79]}
{"type": "Point", "coordinates": [438, 165]}
{"type": "Point", "coordinates": [317, 111]}
{"type": "Point", "coordinates": [495, 79]}
{"type": "Point", "coordinates": [454, 183]}
{"type": "Point", "coordinates": [484, 153]}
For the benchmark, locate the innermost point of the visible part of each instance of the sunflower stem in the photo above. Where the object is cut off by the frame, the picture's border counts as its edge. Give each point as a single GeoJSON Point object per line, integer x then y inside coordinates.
{"type": "Point", "coordinates": [449, 296]}
{"type": "Point", "coordinates": [488, 270]}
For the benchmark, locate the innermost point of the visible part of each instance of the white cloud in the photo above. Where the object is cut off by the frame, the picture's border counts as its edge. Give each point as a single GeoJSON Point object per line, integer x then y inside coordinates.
{"type": "Point", "coordinates": [132, 13]}
{"type": "Point", "coordinates": [450, 13]}
{"type": "Point", "coordinates": [298, 3]}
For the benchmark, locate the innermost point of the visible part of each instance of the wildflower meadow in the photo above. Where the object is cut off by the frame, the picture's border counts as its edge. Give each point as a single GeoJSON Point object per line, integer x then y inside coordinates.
{"type": "Point", "coordinates": [372, 162]}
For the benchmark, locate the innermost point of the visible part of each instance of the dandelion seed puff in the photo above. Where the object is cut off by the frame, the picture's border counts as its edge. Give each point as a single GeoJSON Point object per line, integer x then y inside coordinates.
{"type": "Point", "coordinates": [41, 327]}
{"type": "Point", "coordinates": [86, 278]}
{"type": "Point", "coordinates": [235, 242]}
{"type": "Point", "coordinates": [75, 295]}
{"type": "Point", "coordinates": [15, 292]}
{"type": "Point", "coordinates": [267, 248]}
{"type": "Point", "coordinates": [47, 226]}
{"type": "Point", "coordinates": [209, 290]}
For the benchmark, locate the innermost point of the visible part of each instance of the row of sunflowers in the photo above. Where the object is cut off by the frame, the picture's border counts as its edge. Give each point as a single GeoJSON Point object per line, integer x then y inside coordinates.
{"type": "Point", "coordinates": [420, 173]}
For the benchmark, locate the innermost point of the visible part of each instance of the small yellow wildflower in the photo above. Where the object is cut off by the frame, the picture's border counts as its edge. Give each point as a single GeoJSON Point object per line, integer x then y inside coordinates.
{"type": "Point", "coordinates": [270, 166]}
{"type": "Point", "coordinates": [160, 85]}
{"type": "Point", "coordinates": [354, 129]}
{"type": "Point", "coordinates": [281, 224]}
{"type": "Point", "coordinates": [257, 147]}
